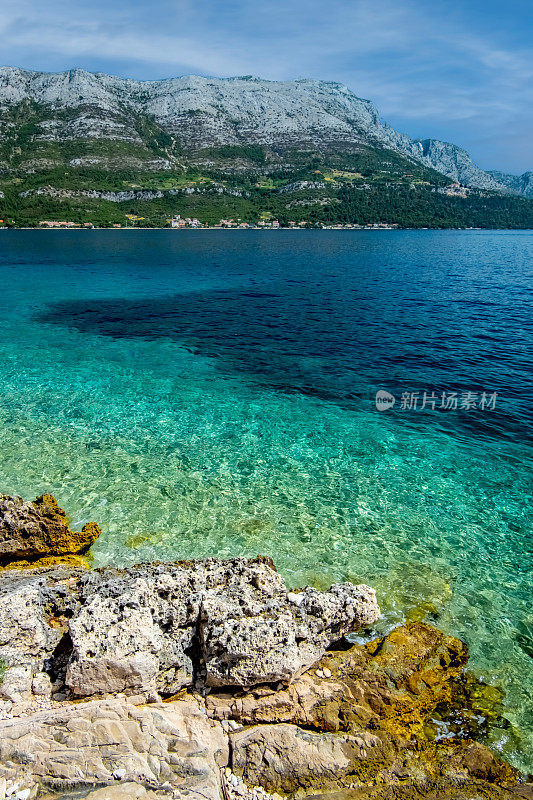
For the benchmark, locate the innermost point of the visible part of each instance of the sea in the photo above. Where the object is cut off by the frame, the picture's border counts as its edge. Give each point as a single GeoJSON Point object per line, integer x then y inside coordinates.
{"type": "Point", "coordinates": [355, 404]}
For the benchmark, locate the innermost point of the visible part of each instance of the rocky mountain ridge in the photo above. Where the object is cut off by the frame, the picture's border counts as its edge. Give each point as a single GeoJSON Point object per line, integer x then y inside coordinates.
{"type": "Point", "coordinates": [196, 112]}
{"type": "Point", "coordinates": [520, 184]}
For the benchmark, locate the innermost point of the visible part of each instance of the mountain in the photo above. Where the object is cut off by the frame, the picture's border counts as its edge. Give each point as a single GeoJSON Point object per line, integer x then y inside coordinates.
{"type": "Point", "coordinates": [78, 137]}
{"type": "Point", "coordinates": [205, 112]}
{"type": "Point", "coordinates": [455, 163]}
{"type": "Point", "coordinates": [519, 184]}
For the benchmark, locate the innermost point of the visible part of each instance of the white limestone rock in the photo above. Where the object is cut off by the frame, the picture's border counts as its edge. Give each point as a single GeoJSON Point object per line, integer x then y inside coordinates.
{"type": "Point", "coordinates": [157, 628]}
{"type": "Point", "coordinates": [249, 640]}
{"type": "Point", "coordinates": [16, 684]}
{"type": "Point", "coordinates": [286, 758]}
{"type": "Point", "coordinates": [171, 744]}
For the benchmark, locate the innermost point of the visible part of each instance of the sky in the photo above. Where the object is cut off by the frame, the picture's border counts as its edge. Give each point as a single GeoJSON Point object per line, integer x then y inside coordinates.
{"type": "Point", "coordinates": [458, 70]}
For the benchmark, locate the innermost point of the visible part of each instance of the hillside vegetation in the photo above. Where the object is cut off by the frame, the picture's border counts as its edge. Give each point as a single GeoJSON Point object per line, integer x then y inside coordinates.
{"type": "Point", "coordinates": [123, 167]}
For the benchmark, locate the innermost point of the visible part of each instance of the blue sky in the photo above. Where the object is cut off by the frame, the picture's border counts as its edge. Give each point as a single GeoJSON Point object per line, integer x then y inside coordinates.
{"type": "Point", "coordinates": [455, 70]}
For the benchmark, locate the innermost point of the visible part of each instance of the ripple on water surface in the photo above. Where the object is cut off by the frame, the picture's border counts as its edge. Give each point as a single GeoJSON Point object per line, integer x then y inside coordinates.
{"type": "Point", "coordinates": [218, 402]}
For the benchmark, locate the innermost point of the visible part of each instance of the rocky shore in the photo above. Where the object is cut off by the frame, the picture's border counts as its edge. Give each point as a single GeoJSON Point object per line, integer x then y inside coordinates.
{"type": "Point", "coordinates": [210, 678]}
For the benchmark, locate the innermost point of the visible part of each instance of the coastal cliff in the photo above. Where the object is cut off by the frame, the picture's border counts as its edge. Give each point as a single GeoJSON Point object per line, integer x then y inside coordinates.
{"type": "Point", "coordinates": [211, 678]}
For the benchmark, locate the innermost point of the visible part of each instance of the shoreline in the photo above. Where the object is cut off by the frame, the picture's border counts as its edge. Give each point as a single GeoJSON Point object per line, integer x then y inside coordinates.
{"type": "Point", "coordinates": [266, 230]}
{"type": "Point", "coordinates": [211, 677]}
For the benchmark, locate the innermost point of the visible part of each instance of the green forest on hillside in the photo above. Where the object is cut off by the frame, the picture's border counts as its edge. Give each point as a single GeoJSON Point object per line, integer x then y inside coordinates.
{"type": "Point", "coordinates": [54, 178]}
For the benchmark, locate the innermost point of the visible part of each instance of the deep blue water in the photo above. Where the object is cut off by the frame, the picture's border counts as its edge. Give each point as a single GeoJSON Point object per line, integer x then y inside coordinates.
{"type": "Point", "coordinates": [213, 393]}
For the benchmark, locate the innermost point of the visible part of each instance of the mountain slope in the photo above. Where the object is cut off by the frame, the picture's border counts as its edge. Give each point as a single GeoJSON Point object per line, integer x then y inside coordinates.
{"type": "Point", "coordinates": [455, 163]}
{"type": "Point", "coordinates": [96, 149]}
{"type": "Point", "coordinates": [519, 184]}
{"type": "Point", "coordinates": [197, 113]}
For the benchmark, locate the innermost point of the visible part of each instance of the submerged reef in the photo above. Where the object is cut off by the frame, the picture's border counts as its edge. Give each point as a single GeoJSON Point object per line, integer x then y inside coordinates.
{"type": "Point", "coordinates": [211, 678]}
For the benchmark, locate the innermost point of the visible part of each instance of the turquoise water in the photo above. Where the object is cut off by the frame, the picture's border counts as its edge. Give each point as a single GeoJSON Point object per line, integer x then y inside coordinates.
{"type": "Point", "coordinates": [212, 393]}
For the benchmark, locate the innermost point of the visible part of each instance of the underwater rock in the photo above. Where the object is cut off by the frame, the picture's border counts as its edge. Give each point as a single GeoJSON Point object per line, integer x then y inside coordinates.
{"type": "Point", "coordinates": [39, 530]}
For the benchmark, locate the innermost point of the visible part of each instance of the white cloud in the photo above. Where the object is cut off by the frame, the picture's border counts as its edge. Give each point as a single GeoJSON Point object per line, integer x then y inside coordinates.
{"type": "Point", "coordinates": [419, 66]}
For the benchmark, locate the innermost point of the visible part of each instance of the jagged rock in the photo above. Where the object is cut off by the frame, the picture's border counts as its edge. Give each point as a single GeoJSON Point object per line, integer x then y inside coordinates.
{"type": "Point", "coordinates": [31, 531]}
{"type": "Point", "coordinates": [399, 690]}
{"type": "Point", "coordinates": [33, 622]}
{"type": "Point", "coordinates": [88, 743]}
{"type": "Point", "coordinates": [389, 678]}
{"type": "Point", "coordinates": [362, 728]}
{"type": "Point", "coordinates": [231, 620]}
{"type": "Point", "coordinates": [161, 627]}
{"type": "Point", "coordinates": [248, 641]}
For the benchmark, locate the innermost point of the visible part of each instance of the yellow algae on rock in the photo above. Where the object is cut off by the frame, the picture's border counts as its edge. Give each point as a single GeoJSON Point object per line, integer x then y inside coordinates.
{"type": "Point", "coordinates": [68, 560]}
{"type": "Point", "coordinates": [371, 726]}
{"type": "Point", "coordinates": [38, 534]}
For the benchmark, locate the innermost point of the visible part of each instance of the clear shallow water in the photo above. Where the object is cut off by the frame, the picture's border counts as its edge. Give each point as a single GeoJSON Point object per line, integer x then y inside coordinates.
{"type": "Point", "coordinates": [212, 393]}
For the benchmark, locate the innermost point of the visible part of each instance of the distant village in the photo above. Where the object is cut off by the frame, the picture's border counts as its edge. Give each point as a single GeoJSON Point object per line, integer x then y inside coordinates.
{"type": "Point", "coordinates": [178, 222]}
{"type": "Point", "coordinates": [265, 220]}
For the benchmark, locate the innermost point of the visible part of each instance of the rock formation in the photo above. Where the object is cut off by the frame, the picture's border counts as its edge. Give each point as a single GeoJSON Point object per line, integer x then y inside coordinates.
{"type": "Point", "coordinates": [163, 627]}
{"type": "Point", "coordinates": [151, 745]}
{"type": "Point", "coordinates": [258, 701]}
{"type": "Point", "coordinates": [38, 533]}
{"type": "Point", "coordinates": [365, 722]}
{"type": "Point", "coordinates": [370, 715]}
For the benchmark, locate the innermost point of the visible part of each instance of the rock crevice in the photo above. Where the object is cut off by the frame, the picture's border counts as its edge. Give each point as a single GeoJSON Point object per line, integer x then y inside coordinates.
{"type": "Point", "coordinates": [257, 698]}
{"type": "Point", "coordinates": [158, 628]}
